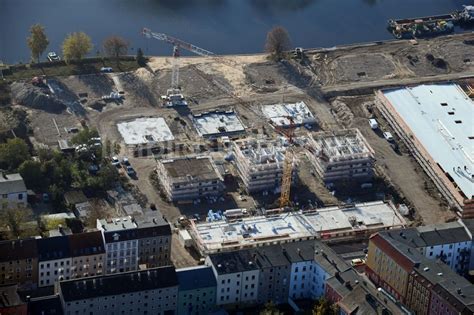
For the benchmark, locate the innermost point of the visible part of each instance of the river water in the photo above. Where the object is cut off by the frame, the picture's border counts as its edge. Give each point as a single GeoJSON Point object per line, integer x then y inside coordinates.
{"type": "Point", "coordinates": [221, 26]}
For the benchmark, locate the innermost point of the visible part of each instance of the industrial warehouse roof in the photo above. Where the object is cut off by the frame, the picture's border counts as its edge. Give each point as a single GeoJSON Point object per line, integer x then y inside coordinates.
{"type": "Point", "coordinates": [325, 222]}
{"type": "Point", "coordinates": [122, 283]}
{"type": "Point", "coordinates": [441, 117]}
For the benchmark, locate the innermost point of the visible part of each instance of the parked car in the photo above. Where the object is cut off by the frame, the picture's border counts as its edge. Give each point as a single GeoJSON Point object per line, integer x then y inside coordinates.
{"type": "Point", "coordinates": [130, 171]}
{"type": "Point", "coordinates": [357, 262]}
{"type": "Point", "coordinates": [388, 136]}
{"type": "Point", "coordinates": [115, 161]}
{"type": "Point", "coordinates": [125, 161]}
{"type": "Point", "coordinates": [52, 56]}
{"type": "Point", "coordinates": [373, 123]}
{"type": "Point", "coordinates": [106, 69]}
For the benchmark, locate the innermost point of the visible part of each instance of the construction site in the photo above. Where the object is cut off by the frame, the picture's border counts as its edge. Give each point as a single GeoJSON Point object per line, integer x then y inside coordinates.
{"type": "Point", "coordinates": [317, 101]}
{"type": "Point", "coordinates": [259, 163]}
{"type": "Point", "coordinates": [342, 156]}
{"type": "Point", "coordinates": [332, 223]}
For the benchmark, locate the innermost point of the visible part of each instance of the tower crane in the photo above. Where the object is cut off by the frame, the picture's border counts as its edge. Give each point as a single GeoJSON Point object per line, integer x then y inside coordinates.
{"type": "Point", "coordinates": [288, 163]}
{"type": "Point", "coordinates": [178, 44]}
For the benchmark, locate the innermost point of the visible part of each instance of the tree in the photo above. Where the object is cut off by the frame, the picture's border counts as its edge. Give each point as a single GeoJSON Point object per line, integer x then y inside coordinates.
{"type": "Point", "coordinates": [32, 175]}
{"type": "Point", "coordinates": [278, 41]}
{"type": "Point", "coordinates": [14, 218]}
{"type": "Point", "coordinates": [84, 136]}
{"type": "Point", "coordinates": [270, 309]}
{"type": "Point", "coordinates": [76, 46]}
{"type": "Point", "coordinates": [114, 47]}
{"type": "Point", "coordinates": [141, 60]}
{"type": "Point", "coordinates": [13, 153]}
{"type": "Point", "coordinates": [324, 307]}
{"type": "Point", "coordinates": [37, 41]}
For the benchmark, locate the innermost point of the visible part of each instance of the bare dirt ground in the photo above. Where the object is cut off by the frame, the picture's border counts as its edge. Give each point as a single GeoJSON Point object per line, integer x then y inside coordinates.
{"type": "Point", "coordinates": [394, 60]}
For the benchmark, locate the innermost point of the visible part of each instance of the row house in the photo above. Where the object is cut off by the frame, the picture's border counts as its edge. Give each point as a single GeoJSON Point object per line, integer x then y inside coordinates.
{"type": "Point", "coordinates": [196, 290]}
{"type": "Point", "coordinates": [87, 254]}
{"type": "Point", "coordinates": [449, 242]}
{"type": "Point", "coordinates": [152, 291]}
{"type": "Point", "coordinates": [54, 260]}
{"type": "Point", "coordinates": [19, 263]}
{"type": "Point", "coordinates": [425, 286]}
{"type": "Point", "coordinates": [132, 242]}
{"type": "Point", "coordinates": [276, 273]}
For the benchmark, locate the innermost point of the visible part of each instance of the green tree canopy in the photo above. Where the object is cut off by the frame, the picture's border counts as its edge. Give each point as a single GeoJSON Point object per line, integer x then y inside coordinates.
{"type": "Point", "coordinates": [37, 41]}
{"type": "Point", "coordinates": [76, 46]}
{"type": "Point", "coordinates": [13, 153]}
{"type": "Point", "coordinates": [84, 136]}
{"type": "Point", "coordinates": [32, 174]}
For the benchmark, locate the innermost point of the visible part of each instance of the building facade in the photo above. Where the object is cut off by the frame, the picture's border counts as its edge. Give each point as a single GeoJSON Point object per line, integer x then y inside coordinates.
{"type": "Point", "coordinates": [19, 263]}
{"type": "Point", "coordinates": [154, 240]}
{"type": "Point", "coordinates": [87, 254]}
{"type": "Point", "coordinates": [343, 156]}
{"type": "Point", "coordinates": [189, 178]}
{"type": "Point", "coordinates": [13, 192]}
{"type": "Point", "coordinates": [121, 244]}
{"type": "Point", "coordinates": [54, 260]}
{"type": "Point", "coordinates": [237, 278]}
{"type": "Point", "coordinates": [259, 163]}
{"type": "Point", "coordinates": [153, 291]}
{"type": "Point", "coordinates": [196, 291]}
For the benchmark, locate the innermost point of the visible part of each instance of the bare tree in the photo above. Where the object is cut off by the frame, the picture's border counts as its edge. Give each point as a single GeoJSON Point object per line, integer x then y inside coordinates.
{"type": "Point", "coordinates": [278, 41]}
{"type": "Point", "coordinates": [114, 47]}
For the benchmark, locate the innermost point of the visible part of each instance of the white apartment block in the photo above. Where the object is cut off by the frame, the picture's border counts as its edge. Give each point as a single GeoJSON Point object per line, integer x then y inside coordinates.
{"type": "Point", "coordinates": [237, 278]}
{"type": "Point", "coordinates": [50, 271]}
{"type": "Point", "coordinates": [121, 244]}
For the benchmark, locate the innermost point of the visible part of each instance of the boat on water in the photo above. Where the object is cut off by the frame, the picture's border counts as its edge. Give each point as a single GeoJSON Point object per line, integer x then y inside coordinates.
{"type": "Point", "coordinates": [430, 26]}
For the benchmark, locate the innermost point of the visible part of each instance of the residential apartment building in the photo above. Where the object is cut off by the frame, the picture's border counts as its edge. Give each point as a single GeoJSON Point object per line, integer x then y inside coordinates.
{"type": "Point", "coordinates": [259, 163]}
{"type": "Point", "coordinates": [13, 192]}
{"type": "Point", "coordinates": [87, 254]}
{"type": "Point", "coordinates": [10, 301]}
{"type": "Point", "coordinates": [154, 240]}
{"type": "Point", "coordinates": [152, 291]}
{"type": "Point", "coordinates": [121, 244]}
{"type": "Point", "coordinates": [196, 290]}
{"type": "Point", "coordinates": [341, 156]}
{"type": "Point", "coordinates": [275, 273]}
{"type": "Point", "coordinates": [54, 260]}
{"type": "Point", "coordinates": [19, 263]}
{"type": "Point", "coordinates": [189, 178]}
{"type": "Point", "coordinates": [424, 285]}
{"type": "Point", "coordinates": [449, 242]}
{"type": "Point", "coordinates": [469, 225]}
{"type": "Point", "coordinates": [237, 277]}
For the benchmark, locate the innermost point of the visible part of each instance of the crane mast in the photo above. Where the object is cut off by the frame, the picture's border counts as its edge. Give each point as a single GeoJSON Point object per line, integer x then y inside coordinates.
{"type": "Point", "coordinates": [178, 44]}
{"type": "Point", "coordinates": [288, 164]}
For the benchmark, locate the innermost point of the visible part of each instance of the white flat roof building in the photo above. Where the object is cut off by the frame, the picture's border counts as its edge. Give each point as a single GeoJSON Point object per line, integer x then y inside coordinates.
{"type": "Point", "coordinates": [217, 123]}
{"type": "Point", "coordinates": [333, 222]}
{"type": "Point", "coordinates": [279, 114]}
{"type": "Point", "coordinates": [438, 119]}
{"type": "Point", "coordinates": [145, 130]}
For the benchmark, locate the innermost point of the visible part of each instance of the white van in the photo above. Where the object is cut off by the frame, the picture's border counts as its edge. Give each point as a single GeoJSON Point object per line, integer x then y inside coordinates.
{"type": "Point", "coordinates": [373, 123]}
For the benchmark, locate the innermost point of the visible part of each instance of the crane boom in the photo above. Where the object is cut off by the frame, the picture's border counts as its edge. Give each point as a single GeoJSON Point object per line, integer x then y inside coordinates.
{"type": "Point", "coordinates": [177, 43]}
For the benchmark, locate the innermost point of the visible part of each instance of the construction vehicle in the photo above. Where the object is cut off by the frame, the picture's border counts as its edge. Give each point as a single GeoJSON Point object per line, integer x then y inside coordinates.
{"type": "Point", "coordinates": [173, 96]}
{"type": "Point", "coordinates": [287, 176]}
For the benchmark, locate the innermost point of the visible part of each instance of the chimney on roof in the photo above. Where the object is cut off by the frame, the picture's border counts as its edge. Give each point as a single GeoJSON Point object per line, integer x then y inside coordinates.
{"type": "Point", "coordinates": [60, 229]}
{"type": "Point", "coordinates": [4, 175]}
